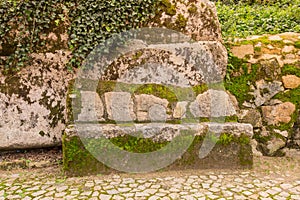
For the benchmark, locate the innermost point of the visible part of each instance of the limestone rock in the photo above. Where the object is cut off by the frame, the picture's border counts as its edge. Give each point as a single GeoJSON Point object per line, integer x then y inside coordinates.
{"type": "Point", "coordinates": [243, 50]}
{"type": "Point", "coordinates": [291, 81]}
{"type": "Point", "coordinates": [275, 57]}
{"type": "Point", "coordinates": [254, 148]}
{"type": "Point", "coordinates": [288, 49]}
{"type": "Point", "coordinates": [282, 133]}
{"type": "Point", "coordinates": [146, 105]}
{"type": "Point", "coordinates": [119, 106]}
{"type": "Point", "coordinates": [264, 132]}
{"type": "Point", "coordinates": [213, 103]}
{"type": "Point", "coordinates": [265, 91]}
{"type": "Point", "coordinates": [234, 128]}
{"type": "Point", "coordinates": [275, 38]}
{"type": "Point", "coordinates": [180, 137]}
{"type": "Point", "coordinates": [176, 63]}
{"type": "Point", "coordinates": [157, 131]}
{"type": "Point", "coordinates": [180, 110]}
{"type": "Point", "coordinates": [33, 102]}
{"type": "Point", "coordinates": [252, 117]}
{"type": "Point", "coordinates": [273, 102]}
{"type": "Point", "coordinates": [274, 115]}
{"type": "Point", "coordinates": [157, 113]}
{"type": "Point", "coordinates": [205, 61]}
{"type": "Point", "coordinates": [197, 19]}
{"type": "Point", "coordinates": [91, 107]}
{"type": "Point", "coordinates": [274, 145]}
{"type": "Point", "coordinates": [269, 69]}
{"type": "Point", "coordinates": [296, 133]}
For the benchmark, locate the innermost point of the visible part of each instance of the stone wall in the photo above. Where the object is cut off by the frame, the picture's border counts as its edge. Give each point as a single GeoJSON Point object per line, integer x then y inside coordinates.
{"type": "Point", "coordinates": [266, 83]}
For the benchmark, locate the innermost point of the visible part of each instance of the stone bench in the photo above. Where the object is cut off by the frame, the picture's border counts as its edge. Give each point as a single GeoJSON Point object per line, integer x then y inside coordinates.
{"type": "Point", "coordinates": [111, 127]}
{"type": "Point", "coordinates": [87, 147]}
{"type": "Point", "coordinates": [156, 102]}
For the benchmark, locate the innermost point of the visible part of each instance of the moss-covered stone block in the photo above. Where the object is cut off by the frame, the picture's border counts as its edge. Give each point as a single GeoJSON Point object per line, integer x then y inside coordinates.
{"type": "Point", "coordinates": [231, 147]}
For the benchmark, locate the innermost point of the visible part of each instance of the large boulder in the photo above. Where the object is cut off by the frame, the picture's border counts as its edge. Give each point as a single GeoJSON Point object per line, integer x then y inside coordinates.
{"type": "Point", "coordinates": [197, 19]}
{"type": "Point", "coordinates": [33, 103]}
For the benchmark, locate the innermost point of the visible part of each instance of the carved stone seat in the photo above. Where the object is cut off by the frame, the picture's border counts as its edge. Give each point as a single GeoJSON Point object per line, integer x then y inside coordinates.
{"type": "Point", "coordinates": [159, 105]}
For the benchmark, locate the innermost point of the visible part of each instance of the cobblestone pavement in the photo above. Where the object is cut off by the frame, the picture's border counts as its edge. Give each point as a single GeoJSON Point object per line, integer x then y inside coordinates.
{"type": "Point", "coordinates": [271, 178]}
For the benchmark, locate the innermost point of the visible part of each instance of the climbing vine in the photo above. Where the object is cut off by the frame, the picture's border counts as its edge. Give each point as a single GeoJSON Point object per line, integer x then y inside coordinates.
{"type": "Point", "coordinates": [25, 25]}
{"type": "Point", "coordinates": [93, 21]}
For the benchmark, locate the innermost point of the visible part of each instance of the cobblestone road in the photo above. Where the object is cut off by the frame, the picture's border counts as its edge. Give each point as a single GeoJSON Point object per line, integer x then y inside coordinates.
{"type": "Point", "coordinates": [271, 178]}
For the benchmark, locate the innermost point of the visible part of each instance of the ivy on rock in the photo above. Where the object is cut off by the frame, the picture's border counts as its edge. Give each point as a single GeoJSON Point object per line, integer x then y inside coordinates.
{"type": "Point", "coordinates": [93, 21]}
{"type": "Point", "coordinates": [25, 25]}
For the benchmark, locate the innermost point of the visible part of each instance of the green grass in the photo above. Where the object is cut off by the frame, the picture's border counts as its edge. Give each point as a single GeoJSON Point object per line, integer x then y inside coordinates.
{"type": "Point", "coordinates": [244, 19]}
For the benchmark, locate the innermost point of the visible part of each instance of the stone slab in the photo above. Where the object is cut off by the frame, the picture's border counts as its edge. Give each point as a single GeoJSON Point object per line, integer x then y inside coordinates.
{"type": "Point", "coordinates": [181, 64]}
{"type": "Point", "coordinates": [232, 148]}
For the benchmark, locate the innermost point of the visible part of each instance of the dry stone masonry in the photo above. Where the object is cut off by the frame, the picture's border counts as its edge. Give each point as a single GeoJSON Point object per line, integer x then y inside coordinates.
{"type": "Point", "coordinates": [268, 73]}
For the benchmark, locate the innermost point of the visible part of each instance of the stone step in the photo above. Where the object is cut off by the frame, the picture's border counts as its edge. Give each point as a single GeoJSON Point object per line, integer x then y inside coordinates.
{"type": "Point", "coordinates": [139, 148]}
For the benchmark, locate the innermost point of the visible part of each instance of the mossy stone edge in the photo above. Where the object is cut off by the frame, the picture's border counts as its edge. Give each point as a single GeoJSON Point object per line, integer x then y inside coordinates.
{"type": "Point", "coordinates": [230, 152]}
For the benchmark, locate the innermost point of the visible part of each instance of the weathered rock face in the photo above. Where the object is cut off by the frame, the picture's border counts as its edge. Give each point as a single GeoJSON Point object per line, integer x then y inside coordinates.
{"type": "Point", "coordinates": [265, 91]}
{"type": "Point", "coordinates": [198, 19]}
{"type": "Point", "coordinates": [119, 106]}
{"type": "Point", "coordinates": [273, 147]}
{"type": "Point", "coordinates": [243, 50]}
{"type": "Point", "coordinates": [291, 81]}
{"type": "Point", "coordinates": [297, 128]}
{"type": "Point", "coordinates": [269, 69]}
{"type": "Point", "coordinates": [213, 103]}
{"type": "Point", "coordinates": [183, 64]}
{"type": "Point", "coordinates": [232, 152]}
{"type": "Point", "coordinates": [252, 117]}
{"type": "Point", "coordinates": [127, 107]}
{"type": "Point", "coordinates": [274, 115]}
{"type": "Point", "coordinates": [180, 110]}
{"type": "Point", "coordinates": [151, 108]}
{"type": "Point", "coordinates": [33, 103]}
{"type": "Point", "coordinates": [91, 107]}
{"type": "Point", "coordinates": [281, 49]}
{"type": "Point", "coordinates": [157, 96]}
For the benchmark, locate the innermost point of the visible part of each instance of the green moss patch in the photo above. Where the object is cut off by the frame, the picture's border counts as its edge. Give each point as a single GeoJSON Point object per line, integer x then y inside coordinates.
{"type": "Point", "coordinates": [193, 9]}
{"type": "Point", "coordinates": [171, 93]}
{"type": "Point", "coordinates": [167, 7]}
{"type": "Point", "coordinates": [137, 145]}
{"type": "Point", "coordinates": [297, 44]}
{"type": "Point", "coordinates": [180, 22]}
{"type": "Point", "coordinates": [228, 152]}
{"type": "Point", "coordinates": [290, 70]}
{"type": "Point", "coordinates": [239, 86]}
{"type": "Point", "coordinates": [78, 161]}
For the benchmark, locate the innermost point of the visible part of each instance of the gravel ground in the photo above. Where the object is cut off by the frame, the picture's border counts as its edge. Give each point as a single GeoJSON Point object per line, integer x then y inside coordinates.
{"type": "Point", "coordinates": [270, 178]}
